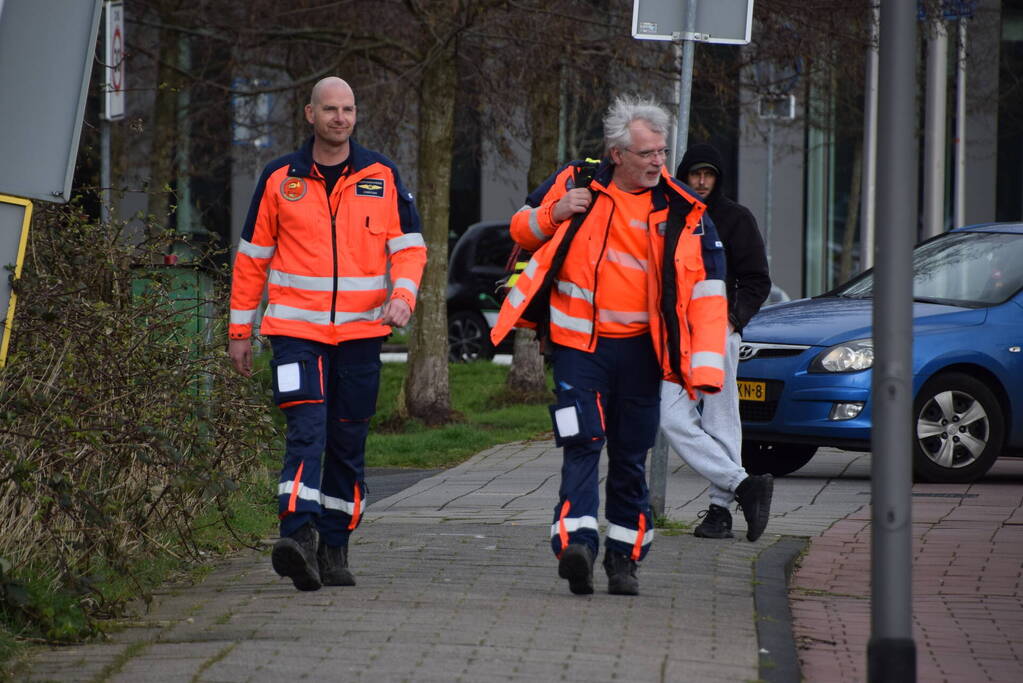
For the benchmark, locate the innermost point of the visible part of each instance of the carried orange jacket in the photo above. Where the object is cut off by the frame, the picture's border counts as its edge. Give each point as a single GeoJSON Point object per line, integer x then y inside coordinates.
{"type": "Point", "coordinates": [685, 269]}
{"type": "Point", "coordinates": [331, 262]}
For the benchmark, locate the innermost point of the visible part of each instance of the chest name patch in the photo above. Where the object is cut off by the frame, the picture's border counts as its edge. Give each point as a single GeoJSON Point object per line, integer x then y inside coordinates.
{"type": "Point", "coordinates": [370, 187]}
{"type": "Point", "coordinates": [293, 188]}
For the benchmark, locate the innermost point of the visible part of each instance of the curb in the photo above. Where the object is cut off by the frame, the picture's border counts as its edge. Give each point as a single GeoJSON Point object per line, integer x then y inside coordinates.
{"type": "Point", "coordinates": [779, 661]}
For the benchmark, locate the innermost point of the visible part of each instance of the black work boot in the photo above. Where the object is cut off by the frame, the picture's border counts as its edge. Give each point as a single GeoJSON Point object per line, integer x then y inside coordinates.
{"type": "Point", "coordinates": [621, 574]}
{"type": "Point", "coordinates": [754, 497]}
{"type": "Point", "coordinates": [576, 565]}
{"type": "Point", "coordinates": [333, 562]}
{"type": "Point", "coordinates": [717, 523]}
{"type": "Point", "coordinates": [295, 557]}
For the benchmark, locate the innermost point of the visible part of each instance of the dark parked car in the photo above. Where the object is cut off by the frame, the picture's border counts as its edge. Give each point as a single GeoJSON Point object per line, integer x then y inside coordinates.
{"type": "Point", "coordinates": [805, 365]}
{"type": "Point", "coordinates": [475, 267]}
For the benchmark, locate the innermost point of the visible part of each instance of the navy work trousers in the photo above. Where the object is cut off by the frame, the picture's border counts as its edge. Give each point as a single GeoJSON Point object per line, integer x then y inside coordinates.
{"type": "Point", "coordinates": [613, 393]}
{"type": "Point", "coordinates": [328, 394]}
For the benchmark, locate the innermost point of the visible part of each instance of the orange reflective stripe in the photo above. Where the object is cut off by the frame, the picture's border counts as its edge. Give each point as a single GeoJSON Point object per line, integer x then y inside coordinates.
{"type": "Point", "coordinates": [294, 491]}
{"type": "Point", "coordinates": [640, 534]}
{"type": "Point", "coordinates": [357, 507]}
{"type": "Point", "coordinates": [600, 409]}
{"type": "Point", "coordinates": [562, 531]}
{"type": "Point", "coordinates": [319, 363]}
{"type": "Point", "coordinates": [298, 403]}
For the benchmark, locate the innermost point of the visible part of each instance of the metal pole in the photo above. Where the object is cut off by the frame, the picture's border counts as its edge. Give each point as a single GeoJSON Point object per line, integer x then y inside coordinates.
{"type": "Point", "coordinates": [104, 171]}
{"type": "Point", "coordinates": [868, 201]}
{"type": "Point", "coordinates": [960, 140]}
{"type": "Point", "coordinates": [936, 130]}
{"type": "Point", "coordinates": [658, 475]}
{"type": "Point", "coordinates": [891, 651]}
{"type": "Point", "coordinates": [769, 199]}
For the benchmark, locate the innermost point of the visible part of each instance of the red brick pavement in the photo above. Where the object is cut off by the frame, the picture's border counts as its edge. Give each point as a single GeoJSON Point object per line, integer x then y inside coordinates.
{"type": "Point", "coordinates": [967, 581]}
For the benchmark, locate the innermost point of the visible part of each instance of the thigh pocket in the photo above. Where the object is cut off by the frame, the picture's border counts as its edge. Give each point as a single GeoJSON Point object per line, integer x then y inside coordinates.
{"type": "Point", "coordinates": [578, 417]}
{"type": "Point", "coordinates": [357, 390]}
{"type": "Point", "coordinates": [637, 422]}
{"type": "Point", "coordinates": [297, 379]}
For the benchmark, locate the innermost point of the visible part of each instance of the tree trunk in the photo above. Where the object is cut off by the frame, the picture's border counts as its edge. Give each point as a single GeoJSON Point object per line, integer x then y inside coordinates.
{"type": "Point", "coordinates": [427, 391]}
{"type": "Point", "coordinates": [164, 134]}
{"type": "Point", "coordinates": [526, 376]}
{"type": "Point", "coordinates": [845, 268]}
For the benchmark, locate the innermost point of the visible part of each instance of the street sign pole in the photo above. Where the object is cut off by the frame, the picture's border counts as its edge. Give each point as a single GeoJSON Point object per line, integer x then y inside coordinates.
{"type": "Point", "coordinates": [113, 93]}
{"type": "Point", "coordinates": [685, 86]}
{"type": "Point", "coordinates": [891, 651]}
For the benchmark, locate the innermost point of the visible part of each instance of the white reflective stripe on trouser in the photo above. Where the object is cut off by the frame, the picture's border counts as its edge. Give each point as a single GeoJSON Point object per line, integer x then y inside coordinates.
{"type": "Point", "coordinates": [304, 492]}
{"type": "Point", "coordinates": [243, 317]}
{"type": "Point", "coordinates": [573, 524]}
{"type": "Point", "coordinates": [254, 250]}
{"type": "Point", "coordinates": [347, 507]}
{"type": "Point", "coordinates": [569, 323]}
{"type": "Point", "coordinates": [709, 359]}
{"type": "Point", "coordinates": [708, 288]}
{"type": "Point", "coordinates": [319, 317]}
{"type": "Point", "coordinates": [626, 535]}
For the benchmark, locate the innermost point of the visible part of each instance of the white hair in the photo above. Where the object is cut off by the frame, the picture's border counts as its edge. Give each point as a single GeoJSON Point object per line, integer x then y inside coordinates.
{"type": "Point", "coordinates": [623, 112]}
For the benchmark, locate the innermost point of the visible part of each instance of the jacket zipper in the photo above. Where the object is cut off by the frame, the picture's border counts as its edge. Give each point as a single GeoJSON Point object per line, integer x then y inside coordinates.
{"type": "Point", "coordinates": [600, 257]}
{"type": "Point", "coordinates": [333, 250]}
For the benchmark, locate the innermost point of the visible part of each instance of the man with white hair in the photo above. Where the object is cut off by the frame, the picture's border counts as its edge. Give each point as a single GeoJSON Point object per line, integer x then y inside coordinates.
{"type": "Point", "coordinates": [336, 234]}
{"type": "Point", "coordinates": [625, 285]}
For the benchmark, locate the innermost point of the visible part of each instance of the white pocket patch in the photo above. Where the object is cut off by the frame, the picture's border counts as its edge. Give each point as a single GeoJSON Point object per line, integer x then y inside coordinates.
{"type": "Point", "coordinates": [289, 378]}
{"type": "Point", "coordinates": [567, 421]}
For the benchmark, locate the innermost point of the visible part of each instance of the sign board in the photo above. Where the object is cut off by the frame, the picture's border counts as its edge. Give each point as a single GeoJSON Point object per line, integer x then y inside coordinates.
{"type": "Point", "coordinates": [15, 216]}
{"type": "Point", "coordinates": [716, 21]}
{"type": "Point", "coordinates": [46, 55]}
{"type": "Point", "coordinates": [113, 59]}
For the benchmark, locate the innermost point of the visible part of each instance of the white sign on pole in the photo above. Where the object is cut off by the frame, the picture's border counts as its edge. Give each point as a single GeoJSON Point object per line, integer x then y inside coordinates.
{"type": "Point", "coordinates": [716, 21]}
{"type": "Point", "coordinates": [113, 90]}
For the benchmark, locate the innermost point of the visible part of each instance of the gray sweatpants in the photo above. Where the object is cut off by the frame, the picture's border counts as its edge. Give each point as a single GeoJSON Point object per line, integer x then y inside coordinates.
{"type": "Point", "coordinates": [709, 441]}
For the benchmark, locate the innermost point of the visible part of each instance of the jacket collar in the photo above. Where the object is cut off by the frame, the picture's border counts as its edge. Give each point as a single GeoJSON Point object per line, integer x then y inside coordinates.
{"type": "Point", "coordinates": [302, 163]}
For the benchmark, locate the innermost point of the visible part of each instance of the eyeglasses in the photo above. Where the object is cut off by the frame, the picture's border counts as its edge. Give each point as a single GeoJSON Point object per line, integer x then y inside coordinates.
{"type": "Point", "coordinates": [650, 153]}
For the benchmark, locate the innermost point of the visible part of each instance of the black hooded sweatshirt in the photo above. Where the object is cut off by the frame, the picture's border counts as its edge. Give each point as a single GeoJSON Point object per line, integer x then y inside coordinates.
{"type": "Point", "coordinates": [747, 276]}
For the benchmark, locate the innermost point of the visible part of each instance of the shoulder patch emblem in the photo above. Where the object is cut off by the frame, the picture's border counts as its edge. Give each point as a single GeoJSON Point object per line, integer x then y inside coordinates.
{"type": "Point", "coordinates": [293, 188]}
{"type": "Point", "coordinates": [370, 187]}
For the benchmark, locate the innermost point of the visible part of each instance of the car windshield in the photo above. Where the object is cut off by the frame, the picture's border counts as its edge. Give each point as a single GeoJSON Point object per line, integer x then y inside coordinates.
{"type": "Point", "coordinates": [960, 268]}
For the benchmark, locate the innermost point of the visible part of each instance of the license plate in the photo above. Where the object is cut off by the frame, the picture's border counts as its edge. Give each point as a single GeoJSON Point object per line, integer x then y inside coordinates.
{"type": "Point", "coordinates": [752, 391]}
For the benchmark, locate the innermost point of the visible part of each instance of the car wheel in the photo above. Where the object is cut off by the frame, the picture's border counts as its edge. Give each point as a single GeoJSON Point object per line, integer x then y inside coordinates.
{"type": "Point", "coordinates": [468, 337]}
{"type": "Point", "coordinates": [778, 459]}
{"type": "Point", "coordinates": [959, 429]}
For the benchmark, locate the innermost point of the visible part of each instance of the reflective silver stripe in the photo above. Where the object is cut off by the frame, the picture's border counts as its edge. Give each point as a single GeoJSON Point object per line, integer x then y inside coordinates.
{"type": "Point", "coordinates": [624, 317]}
{"type": "Point", "coordinates": [708, 288]}
{"type": "Point", "coordinates": [709, 359]}
{"type": "Point", "coordinates": [531, 267]}
{"type": "Point", "coordinates": [569, 323]}
{"type": "Point", "coordinates": [326, 284]}
{"type": "Point", "coordinates": [304, 492]}
{"type": "Point", "coordinates": [574, 524]}
{"type": "Point", "coordinates": [408, 284]}
{"type": "Point", "coordinates": [320, 317]}
{"type": "Point", "coordinates": [348, 507]}
{"type": "Point", "coordinates": [534, 226]}
{"type": "Point", "coordinates": [638, 224]}
{"type": "Point", "coordinates": [516, 297]}
{"type": "Point", "coordinates": [574, 290]}
{"type": "Point", "coordinates": [412, 239]}
{"type": "Point", "coordinates": [254, 250]}
{"type": "Point", "coordinates": [625, 259]}
{"type": "Point", "coordinates": [625, 535]}
{"type": "Point", "coordinates": [243, 317]}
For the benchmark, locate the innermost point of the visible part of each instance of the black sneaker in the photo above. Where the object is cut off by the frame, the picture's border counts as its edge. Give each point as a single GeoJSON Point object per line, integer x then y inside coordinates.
{"type": "Point", "coordinates": [717, 523]}
{"type": "Point", "coordinates": [295, 557]}
{"type": "Point", "coordinates": [333, 564]}
{"type": "Point", "coordinates": [754, 497]}
{"type": "Point", "coordinates": [576, 565]}
{"type": "Point", "coordinates": [621, 574]}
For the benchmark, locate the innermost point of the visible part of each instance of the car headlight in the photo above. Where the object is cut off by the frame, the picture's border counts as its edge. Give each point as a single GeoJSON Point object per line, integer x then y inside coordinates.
{"type": "Point", "coordinates": [850, 356]}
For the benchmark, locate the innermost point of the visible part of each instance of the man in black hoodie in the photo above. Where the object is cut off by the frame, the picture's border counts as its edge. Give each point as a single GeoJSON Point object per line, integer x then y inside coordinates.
{"type": "Point", "coordinates": [710, 441]}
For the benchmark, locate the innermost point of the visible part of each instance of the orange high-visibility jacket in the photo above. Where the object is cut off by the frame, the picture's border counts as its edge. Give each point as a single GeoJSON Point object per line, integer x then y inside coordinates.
{"type": "Point", "coordinates": [326, 259]}
{"type": "Point", "coordinates": [685, 269]}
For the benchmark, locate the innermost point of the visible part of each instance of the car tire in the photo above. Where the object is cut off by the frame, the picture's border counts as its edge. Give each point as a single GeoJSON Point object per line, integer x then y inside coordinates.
{"type": "Point", "coordinates": [778, 459]}
{"type": "Point", "coordinates": [468, 337]}
{"type": "Point", "coordinates": [958, 429]}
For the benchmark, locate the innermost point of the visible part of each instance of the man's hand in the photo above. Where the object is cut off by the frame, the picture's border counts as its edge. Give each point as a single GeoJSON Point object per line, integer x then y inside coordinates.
{"type": "Point", "coordinates": [572, 202]}
{"type": "Point", "coordinates": [397, 313]}
{"type": "Point", "coordinates": [240, 351]}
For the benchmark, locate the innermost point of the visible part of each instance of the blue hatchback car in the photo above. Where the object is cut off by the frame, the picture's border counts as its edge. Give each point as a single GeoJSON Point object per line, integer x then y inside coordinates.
{"type": "Point", "coordinates": [805, 366]}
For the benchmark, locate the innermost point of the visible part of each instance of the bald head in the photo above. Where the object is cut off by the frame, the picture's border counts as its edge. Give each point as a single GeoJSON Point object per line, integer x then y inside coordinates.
{"type": "Point", "coordinates": [330, 84]}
